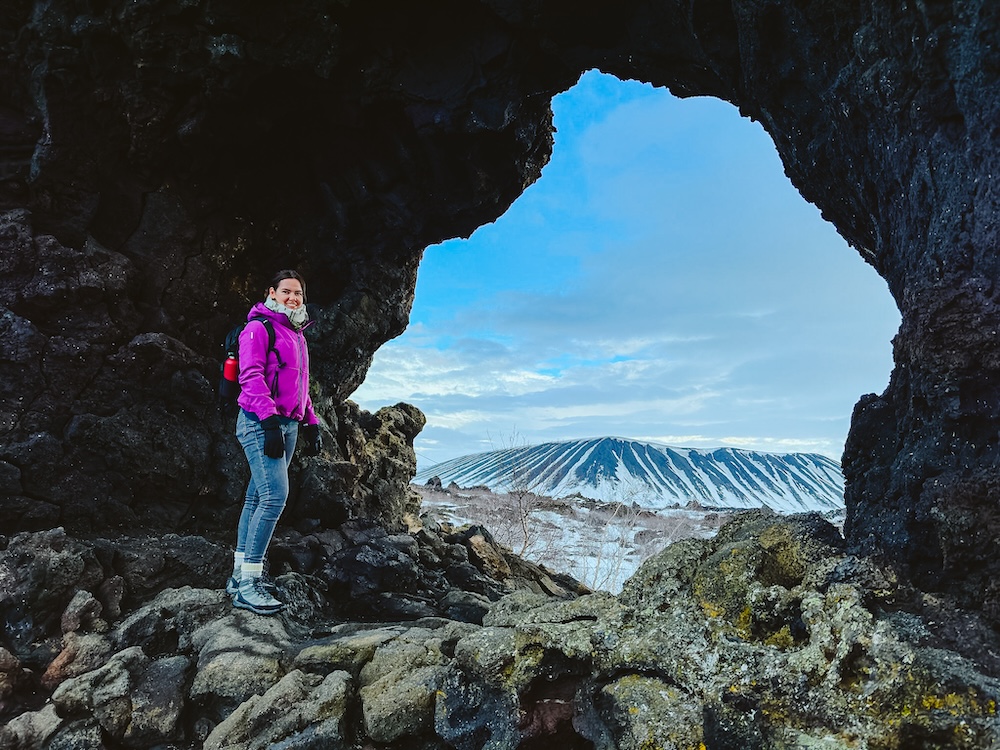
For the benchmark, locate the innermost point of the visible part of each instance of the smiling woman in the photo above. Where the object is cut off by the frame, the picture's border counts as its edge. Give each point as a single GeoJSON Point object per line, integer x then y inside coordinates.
{"type": "Point", "coordinates": [275, 412]}
{"type": "Point", "coordinates": [663, 281]}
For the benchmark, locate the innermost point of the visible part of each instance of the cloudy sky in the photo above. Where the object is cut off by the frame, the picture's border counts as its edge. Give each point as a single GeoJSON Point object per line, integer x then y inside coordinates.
{"type": "Point", "coordinates": [662, 281]}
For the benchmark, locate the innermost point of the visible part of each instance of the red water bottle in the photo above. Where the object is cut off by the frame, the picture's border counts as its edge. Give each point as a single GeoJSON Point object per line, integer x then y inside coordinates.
{"type": "Point", "coordinates": [231, 369]}
{"type": "Point", "coordinates": [228, 387]}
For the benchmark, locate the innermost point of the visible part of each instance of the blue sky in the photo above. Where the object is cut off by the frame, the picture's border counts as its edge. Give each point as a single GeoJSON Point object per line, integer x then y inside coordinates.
{"type": "Point", "coordinates": [661, 281]}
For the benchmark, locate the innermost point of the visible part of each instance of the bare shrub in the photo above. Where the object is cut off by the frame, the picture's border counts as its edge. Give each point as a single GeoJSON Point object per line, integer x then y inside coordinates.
{"type": "Point", "coordinates": [601, 543]}
{"type": "Point", "coordinates": [517, 528]}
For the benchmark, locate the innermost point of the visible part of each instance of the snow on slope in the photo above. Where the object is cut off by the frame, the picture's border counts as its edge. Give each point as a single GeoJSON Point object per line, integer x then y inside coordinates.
{"type": "Point", "coordinates": [654, 476]}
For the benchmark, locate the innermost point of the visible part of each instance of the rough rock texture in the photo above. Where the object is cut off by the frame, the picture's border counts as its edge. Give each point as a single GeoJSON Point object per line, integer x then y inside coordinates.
{"type": "Point", "coordinates": [770, 635]}
{"type": "Point", "coordinates": [160, 159]}
{"type": "Point", "coordinates": [123, 612]}
{"type": "Point", "coordinates": [54, 585]}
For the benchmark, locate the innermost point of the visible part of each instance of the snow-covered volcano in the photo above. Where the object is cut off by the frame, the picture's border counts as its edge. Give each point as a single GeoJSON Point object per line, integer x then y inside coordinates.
{"type": "Point", "coordinates": [652, 475]}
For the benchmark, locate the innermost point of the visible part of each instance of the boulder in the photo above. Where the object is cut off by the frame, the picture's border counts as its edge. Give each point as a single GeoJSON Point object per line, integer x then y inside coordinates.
{"type": "Point", "coordinates": [299, 710]}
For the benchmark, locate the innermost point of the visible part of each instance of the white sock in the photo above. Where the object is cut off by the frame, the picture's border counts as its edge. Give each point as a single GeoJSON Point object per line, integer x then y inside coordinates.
{"type": "Point", "coordinates": [237, 564]}
{"type": "Point", "coordinates": [251, 570]}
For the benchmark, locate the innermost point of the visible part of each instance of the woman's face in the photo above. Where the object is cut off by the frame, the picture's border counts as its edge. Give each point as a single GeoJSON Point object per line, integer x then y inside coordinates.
{"type": "Point", "coordinates": [288, 293]}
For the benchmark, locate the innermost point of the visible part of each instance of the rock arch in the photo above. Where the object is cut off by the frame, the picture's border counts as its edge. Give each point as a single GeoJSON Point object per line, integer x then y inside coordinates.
{"type": "Point", "coordinates": [159, 158]}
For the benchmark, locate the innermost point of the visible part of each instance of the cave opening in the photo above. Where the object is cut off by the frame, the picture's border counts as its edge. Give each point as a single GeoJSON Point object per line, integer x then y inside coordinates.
{"type": "Point", "coordinates": [661, 281]}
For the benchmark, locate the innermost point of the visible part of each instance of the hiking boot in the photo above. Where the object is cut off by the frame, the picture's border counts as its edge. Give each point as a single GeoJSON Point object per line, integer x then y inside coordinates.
{"type": "Point", "coordinates": [265, 580]}
{"type": "Point", "coordinates": [252, 595]}
{"type": "Point", "coordinates": [269, 585]}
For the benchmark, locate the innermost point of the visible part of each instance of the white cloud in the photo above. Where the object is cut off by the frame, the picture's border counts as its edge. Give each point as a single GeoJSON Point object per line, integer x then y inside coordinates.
{"type": "Point", "coordinates": [662, 278]}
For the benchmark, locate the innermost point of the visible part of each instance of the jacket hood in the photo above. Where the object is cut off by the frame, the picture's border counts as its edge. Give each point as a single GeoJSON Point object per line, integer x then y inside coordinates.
{"type": "Point", "coordinates": [260, 310]}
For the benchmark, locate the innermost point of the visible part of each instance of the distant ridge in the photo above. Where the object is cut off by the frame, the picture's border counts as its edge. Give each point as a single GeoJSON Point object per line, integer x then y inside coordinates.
{"type": "Point", "coordinates": [653, 475]}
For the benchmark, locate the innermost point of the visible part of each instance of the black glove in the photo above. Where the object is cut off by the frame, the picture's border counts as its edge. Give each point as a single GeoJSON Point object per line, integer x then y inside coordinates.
{"type": "Point", "coordinates": [274, 441]}
{"type": "Point", "coordinates": [312, 441]}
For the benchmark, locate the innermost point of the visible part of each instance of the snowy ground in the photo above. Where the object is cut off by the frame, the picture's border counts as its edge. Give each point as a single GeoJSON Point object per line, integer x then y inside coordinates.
{"type": "Point", "coordinates": [600, 543]}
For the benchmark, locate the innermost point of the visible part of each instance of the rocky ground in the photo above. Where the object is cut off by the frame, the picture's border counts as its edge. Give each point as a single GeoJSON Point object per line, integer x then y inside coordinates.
{"type": "Point", "coordinates": [157, 157]}
{"type": "Point", "coordinates": [131, 642]}
{"type": "Point", "coordinates": [767, 635]}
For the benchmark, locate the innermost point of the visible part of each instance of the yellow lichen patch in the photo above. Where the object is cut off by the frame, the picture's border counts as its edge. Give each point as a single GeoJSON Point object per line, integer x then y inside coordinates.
{"type": "Point", "coordinates": [785, 552]}
{"type": "Point", "coordinates": [962, 707]}
{"type": "Point", "coordinates": [743, 622]}
{"type": "Point", "coordinates": [711, 609]}
{"type": "Point", "coordinates": [775, 712]}
{"type": "Point", "coordinates": [652, 744]}
{"type": "Point", "coordinates": [736, 563]}
{"type": "Point", "coordinates": [783, 639]}
{"type": "Point", "coordinates": [959, 704]}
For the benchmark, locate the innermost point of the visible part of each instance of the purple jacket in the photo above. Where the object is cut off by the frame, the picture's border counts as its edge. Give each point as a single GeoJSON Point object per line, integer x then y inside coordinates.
{"type": "Point", "coordinates": [275, 381]}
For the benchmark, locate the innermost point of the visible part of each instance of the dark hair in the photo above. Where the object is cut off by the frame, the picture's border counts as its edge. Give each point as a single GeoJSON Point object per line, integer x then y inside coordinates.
{"type": "Point", "coordinates": [287, 274]}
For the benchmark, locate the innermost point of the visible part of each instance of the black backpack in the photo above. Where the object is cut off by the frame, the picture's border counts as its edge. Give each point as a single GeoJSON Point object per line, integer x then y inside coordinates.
{"type": "Point", "coordinates": [229, 383]}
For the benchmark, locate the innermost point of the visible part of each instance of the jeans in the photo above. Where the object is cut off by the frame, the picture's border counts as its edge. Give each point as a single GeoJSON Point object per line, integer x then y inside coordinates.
{"type": "Point", "coordinates": [268, 489]}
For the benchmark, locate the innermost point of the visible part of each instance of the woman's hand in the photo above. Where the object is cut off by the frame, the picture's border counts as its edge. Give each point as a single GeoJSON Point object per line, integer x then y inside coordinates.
{"type": "Point", "coordinates": [274, 441]}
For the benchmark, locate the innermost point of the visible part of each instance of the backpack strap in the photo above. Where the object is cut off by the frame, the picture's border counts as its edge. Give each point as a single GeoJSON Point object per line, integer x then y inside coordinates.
{"type": "Point", "coordinates": [269, 326]}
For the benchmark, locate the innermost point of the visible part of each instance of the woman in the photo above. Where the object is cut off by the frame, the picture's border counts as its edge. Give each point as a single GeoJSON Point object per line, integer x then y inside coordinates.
{"type": "Point", "coordinates": [275, 409]}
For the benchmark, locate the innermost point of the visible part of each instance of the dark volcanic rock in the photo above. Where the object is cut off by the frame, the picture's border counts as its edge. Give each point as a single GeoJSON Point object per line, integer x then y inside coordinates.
{"type": "Point", "coordinates": [769, 635]}
{"type": "Point", "coordinates": [159, 160]}
{"type": "Point", "coordinates": [160, 164]}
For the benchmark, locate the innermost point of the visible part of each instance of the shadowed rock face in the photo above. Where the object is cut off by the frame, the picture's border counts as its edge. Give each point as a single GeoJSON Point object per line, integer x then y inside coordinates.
{"type": "Point", "coordinates": [159, 160]}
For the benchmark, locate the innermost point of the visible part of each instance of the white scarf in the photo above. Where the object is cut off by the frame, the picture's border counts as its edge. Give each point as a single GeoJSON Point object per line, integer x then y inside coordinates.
{"type": "Point", "coordinates": [298, 316]}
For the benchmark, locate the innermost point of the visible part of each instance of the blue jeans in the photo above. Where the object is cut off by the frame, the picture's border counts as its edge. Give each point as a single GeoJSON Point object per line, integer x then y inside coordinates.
{"type": "Point", "coordinates": [268, 489]}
